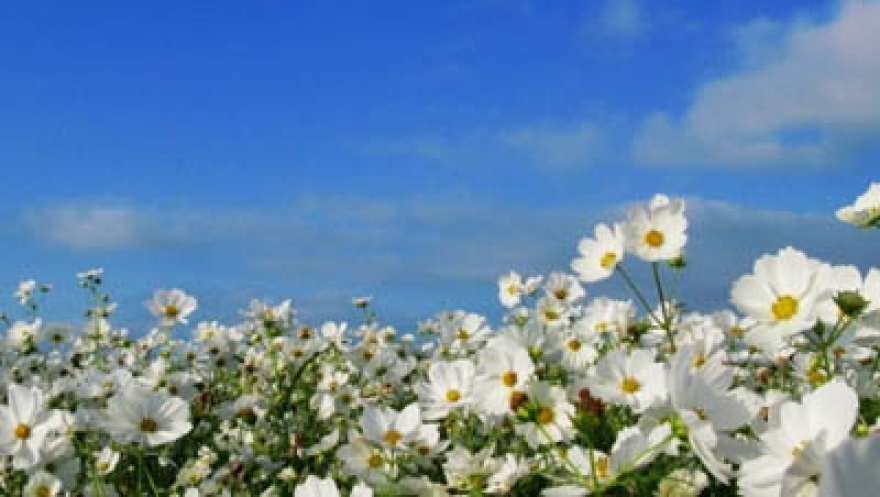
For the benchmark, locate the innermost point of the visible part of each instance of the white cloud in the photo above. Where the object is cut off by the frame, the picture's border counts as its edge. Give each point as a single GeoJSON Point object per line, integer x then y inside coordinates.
{"type": "Point", "coordinates": [84, 228]}
{"type": "Point", "coordinates": [622, 18]}
{"type": "Point", "coordinates": [807, 94]}
{"type": "Point", "coordinates": [557, 147]}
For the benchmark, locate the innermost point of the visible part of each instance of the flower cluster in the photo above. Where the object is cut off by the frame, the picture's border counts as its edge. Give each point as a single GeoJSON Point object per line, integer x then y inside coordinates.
{"type": "Point", "coordinates": [565, 396]}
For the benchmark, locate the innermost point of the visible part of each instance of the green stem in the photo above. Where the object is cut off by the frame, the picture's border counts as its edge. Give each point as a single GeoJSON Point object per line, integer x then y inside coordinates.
{"type": "Point", "coordinates": [639, 296]}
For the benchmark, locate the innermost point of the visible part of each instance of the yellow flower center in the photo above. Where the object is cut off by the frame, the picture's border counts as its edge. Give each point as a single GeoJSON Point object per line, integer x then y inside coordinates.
{"type": "Point", "coordinates": [654, 238]}
{"type": "Point", "coordinates": [546, 416]}
{"type": "Point", "coordinates": [43, 491]}
{"type": "Point", "coordinates": [608, 260]}
{"type": "Point", "coordinates": [453, 395]}
{"type": "Point", "coordinates": [102, 466]}
{"type": "Point", "coordinates": [513, 289]}
{"type": "Point", "coordinates": [630, 385]}
{"type": "Point", "coordinates": [149, 425]}
{"type": "Point", "coordinates": [509, 379]}
{"type": "Point", "coordinates": [602, 470]}
{"type": "Point", "coordinates": [602, 326]}
{"type": "Point", "coordinates": [699, 361]}
{"type": "Point", "coordinates": [737, 331]}
{"type": "Point", "coordinates": [816, 377]}
{"type": "Point", "coordinates": [798, 449]}
{"type": "Point", "coordinates": [171, 311]}
{"type": "Point", "coordinates": [374, 461]}
{"type": "Point", "coordinates": [22, 431]}
{"type": "Point", "coordinates": [551, 315]}
{"type": "Point", "coordinates": [785, 307]}
{"type": "Point", "coordinates": [392, 437]}
{"type": "Point", "coordinates": [463, 334]}
{"type": "Point", "coordinates": [574, 345]}
{"type": "Point", "coordinates": [561, 294]}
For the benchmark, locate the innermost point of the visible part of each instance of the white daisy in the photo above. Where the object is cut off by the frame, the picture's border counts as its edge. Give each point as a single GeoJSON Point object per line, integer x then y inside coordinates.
{"type": "Point", "coordinates": [657, 233]}
{"type": "Point", "coordinates": [138, 415]}
{"type": "Point", "coordinates": [449, 387]}
{"type": "Point", "coordinates": [599, 255]}
{"type": "Point", "coordinates": [633, 380]}
{"type": "Point", "coordinates": [172, 306]}
{"type": "Point", "coordinates": [25, 424]}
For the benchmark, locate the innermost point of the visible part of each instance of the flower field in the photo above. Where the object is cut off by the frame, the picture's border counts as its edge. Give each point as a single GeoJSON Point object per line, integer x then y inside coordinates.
{"type": "Point", "coordinates": [570, 394]}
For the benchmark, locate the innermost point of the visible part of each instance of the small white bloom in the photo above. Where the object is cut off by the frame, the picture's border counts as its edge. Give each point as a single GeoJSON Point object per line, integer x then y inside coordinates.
{"type": "Point", "coordinates": [449, 387]}
{"type": "Point", "coordinates": [634, 380]}
{"type": "Point", "coordinates": [599, 255]}
{"type": "Point", "coordinates": [42, 484]}
{"type": "Point", "coordinates": [657, 233]}
{"type": "Point", "coordinates": [172, 306]}
{"type": "Point", "coordinates": [865, 211]}
{"type": "Point", "coordinates": [316, 487]}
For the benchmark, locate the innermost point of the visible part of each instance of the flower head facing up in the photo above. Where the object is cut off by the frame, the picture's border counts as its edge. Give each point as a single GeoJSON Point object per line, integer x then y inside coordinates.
{"type": "Point", "coordinates": [782, 295]}
{"type": "Point", "coordinates": [658, 232]}
{"type": "Point", "coordinates": [172, 307]}
{"type": "Point", "coordinates": [138, 415]}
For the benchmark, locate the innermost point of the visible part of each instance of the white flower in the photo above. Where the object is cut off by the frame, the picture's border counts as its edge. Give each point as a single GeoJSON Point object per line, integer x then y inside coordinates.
{"type": "Point", "coordinates": [316, 487]}
{"type": "Point", "coordinates": [682, 482]}
{"type": "Point", "coordinates": [449, 387]}
{"type": "Point", "coordinates": [632, 450]}
{"type": "Point", "coordinates": [550, 416]}
{"type": "Point", "coordinates": [172, 306]}
{"type": "Point", "coordinates": [657, 233]}
{"type": "Point", "coordinates": [42, 484]}
{"type": "Point", "coordinates": [599, 255]}
{"type": "Point", "coordinates": [634, 380]}
{"type": "Point", "coordinates": [792, 451]}
{"type": "Point", "coordinates": [781, 296]}
{"type": "Point", "coordinates": [707, 407]}
{"type": "Point", "coordinates": [865, 212]}
{"type": "Point", "coordinates": [136, 414]}
{"type": "Point", "coordinates": [23, 334]}
{"type": "Point", "coordinates": [564, 288]}
{"type": "Point", "coordinates": [850, 470]}
{"type": "Point", "coordinates": [25, 425]}
{"type": "Point", "coordinates": [106, 461]}
{"type": "Point", "coordinates": [510, 289]}
{"type": "Point", "coordinates": [390, 428]}
{"type": "Point", "coordinates": [504, 370]}
{"type": "Point", "coordinates": [25, 291]}
{"type": "Point", "coordinates": [509, 471]}
{"type": "Point", "coordinates": [362, 459]}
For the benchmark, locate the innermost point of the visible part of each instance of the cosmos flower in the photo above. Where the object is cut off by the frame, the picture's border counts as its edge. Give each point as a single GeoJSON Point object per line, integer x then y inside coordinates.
{"type": "Point", "coordinates": [791, 453]}
{"type": "Point", "coordinates": [781, 295]}
{"type": "Point", "coordinates": [172, 307]}
{"type": "Point", "coordinates": [657, 233]}
{"type": "Point", "coordinates": [449, 387]}
{"type": "Point", "coordinates": [635, 380]}
{"type": "Point", "coordinates": [138, 415]}
{"type": "Point", "coordinates": [25, 424]}
{"type": "Point", "coordinates": [390, 428]}
{"type": "Point", "coordinates": [865, 211]}
{"type": "Point", "coordinates": [599, 255]}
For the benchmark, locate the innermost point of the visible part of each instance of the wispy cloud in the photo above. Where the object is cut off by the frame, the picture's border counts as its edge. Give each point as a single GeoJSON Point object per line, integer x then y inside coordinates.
{"type": "Point", "coordinates": [567, 147]}
{"type": "Point", "coordinates": [622, 18]}
{"type": "Point", "coordinates": [535, 145]}
{"type": "Point", "coordinates": [806, 95]}
{"type": "Point", "coordinates": [87, 227]}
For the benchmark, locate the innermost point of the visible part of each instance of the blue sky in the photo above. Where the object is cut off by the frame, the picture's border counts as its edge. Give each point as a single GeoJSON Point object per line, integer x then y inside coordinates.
{"type": "Point", "coordinates": [415, 150]}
